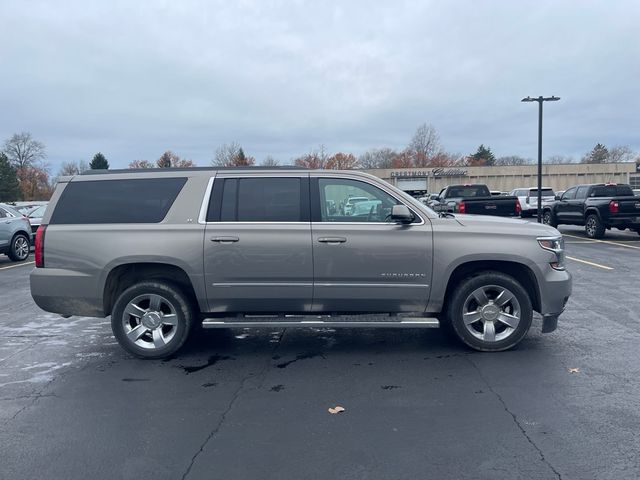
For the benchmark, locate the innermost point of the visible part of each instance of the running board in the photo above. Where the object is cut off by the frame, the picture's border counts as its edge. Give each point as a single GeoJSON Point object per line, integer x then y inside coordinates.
{"type": "Point", "coordinates": [413, 322]}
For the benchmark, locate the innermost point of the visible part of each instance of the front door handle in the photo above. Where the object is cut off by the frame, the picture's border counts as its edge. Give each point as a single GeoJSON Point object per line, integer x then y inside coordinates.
{"type": "Point", "coordinates": [225, 239]}
{"type": "Point", "coordinates": [332, 240]}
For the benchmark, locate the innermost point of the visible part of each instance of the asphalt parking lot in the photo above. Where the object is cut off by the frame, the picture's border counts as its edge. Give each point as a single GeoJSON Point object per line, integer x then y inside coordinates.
{"type": "Point", "coordinates": [253, 403]}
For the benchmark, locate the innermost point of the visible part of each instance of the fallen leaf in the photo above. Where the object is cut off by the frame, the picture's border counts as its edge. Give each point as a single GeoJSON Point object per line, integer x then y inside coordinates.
{"type": "Point", "coordinates": [574, 370]}
{"type": "Point", "coordinates": [336, 409]}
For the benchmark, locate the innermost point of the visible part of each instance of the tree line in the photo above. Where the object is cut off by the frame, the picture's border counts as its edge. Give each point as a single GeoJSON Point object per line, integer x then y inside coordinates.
{"type": "Point", "coordinates": [25, 174]}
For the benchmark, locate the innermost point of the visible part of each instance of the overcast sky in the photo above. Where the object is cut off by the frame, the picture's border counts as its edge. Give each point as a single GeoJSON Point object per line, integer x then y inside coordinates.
{"type": "Point", "coordinates": [281, 78]}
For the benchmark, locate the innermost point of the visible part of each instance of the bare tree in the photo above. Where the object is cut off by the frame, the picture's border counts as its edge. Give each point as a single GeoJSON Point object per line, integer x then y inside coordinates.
{"type": "Point", "coordinates": [314, 159]}
{"type": "Point", "coordinates": [171, 160]}
{"type": "Point", "coordinates": [559, 159]}
{"type": "Point", "coordinates": [73, 168]}
{"type": "Point", "coordinates": [227, 155]}
{"type": "Point", "coordinates": [141, 164]}
{"type": "Point", "coordinates": [424, 145]}
{"type": "Point", "coordinates": [511, 160]}
{"type": "Point", "coordinates": [342, 161]}
{"type": "Point", "coordinates": [620, 154]}
{"type": "Point", "coordinates": [378, 158]}
{"type": "Point", "coordinates": [23, 151]}
{"type": "Point", "coordinates": [269, 161]}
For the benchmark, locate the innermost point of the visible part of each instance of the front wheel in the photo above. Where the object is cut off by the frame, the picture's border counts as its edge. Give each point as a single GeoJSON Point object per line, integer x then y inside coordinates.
{"type": "Point", "coordinates": [549, 218]}
{"type": "Point", "coordinates": [593, 227]}
{"type": "Point", "coordinates": [490, 312]}
{"type": "Point", "coordinates": [152, 319]}
{"type": "Point", "coordinates": [19, 250]}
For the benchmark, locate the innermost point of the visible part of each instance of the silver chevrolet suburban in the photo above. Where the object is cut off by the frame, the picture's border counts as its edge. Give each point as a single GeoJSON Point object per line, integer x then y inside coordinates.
{"type": "Point", "coordinates": [167, 251]}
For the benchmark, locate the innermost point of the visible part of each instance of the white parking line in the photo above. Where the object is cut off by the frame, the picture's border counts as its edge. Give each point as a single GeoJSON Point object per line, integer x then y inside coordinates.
{"type": "Point", "coordinates": [602, 241]}
{"type": "Point", "coordinates": [604, 267]}
{"type": "Point", "coordinates": [16, 266]}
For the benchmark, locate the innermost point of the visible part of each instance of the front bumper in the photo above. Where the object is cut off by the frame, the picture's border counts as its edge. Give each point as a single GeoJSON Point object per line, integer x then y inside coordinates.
{"type": "Point", "coordinates": [555, 290]}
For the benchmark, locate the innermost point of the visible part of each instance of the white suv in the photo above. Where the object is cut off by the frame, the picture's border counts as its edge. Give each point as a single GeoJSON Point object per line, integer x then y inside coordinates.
{"type": "Point", "coordinates": [528, 198]}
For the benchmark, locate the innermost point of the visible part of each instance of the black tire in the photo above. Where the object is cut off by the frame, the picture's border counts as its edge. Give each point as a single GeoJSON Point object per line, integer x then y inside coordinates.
{"type": "Point", "coordinates": [20, 248]}
{"type": "Point", "coordinates": [174, 304]}
{"type": "Point", "coordinates": [548, 218]}
{"type": "Point", "coordinates": [489, 280]}
{"type": "Point", "coordinates": [593, 226]}
{"type": "Point", "coordinates": [525, 214]}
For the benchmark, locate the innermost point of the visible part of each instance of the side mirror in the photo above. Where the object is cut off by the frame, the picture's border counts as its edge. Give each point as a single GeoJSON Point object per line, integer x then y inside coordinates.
{"type": "Point", "coordinates": [558, 197]}
{"type": "Point", "coordinates": [401, 214]}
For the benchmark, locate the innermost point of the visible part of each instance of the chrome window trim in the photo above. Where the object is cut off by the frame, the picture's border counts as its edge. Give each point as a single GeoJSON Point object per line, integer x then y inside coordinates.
{"type": "Point", "coordinates": [202, 216]}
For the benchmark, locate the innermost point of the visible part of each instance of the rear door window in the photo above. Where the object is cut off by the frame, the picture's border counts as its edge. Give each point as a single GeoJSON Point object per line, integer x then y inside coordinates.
{"type": "Point", "coordinates": [140, 200]}
{"type": "Point", "coordinates": [582, 192]}
{"type": "Point", "coordinates": [268, 199]}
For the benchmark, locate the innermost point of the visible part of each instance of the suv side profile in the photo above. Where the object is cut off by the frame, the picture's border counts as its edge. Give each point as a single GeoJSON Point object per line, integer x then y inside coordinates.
{"type": "Point", "coordinates": [164, 251]}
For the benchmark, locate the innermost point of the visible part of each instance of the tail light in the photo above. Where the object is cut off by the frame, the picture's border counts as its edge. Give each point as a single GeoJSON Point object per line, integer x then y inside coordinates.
{"type": "Point", "coordinates": [39, 248]}
{"type": "Point", "coordinates": [518, 207]}
{"type": "Point", "coordinates": [462, 207]}
{"type": "Point", "coordinates": [614, 207]}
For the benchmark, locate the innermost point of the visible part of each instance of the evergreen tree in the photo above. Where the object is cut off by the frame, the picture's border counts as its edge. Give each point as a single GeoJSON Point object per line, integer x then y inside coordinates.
{"type": "Point", "coordinates": [483, 156]}
{"type": "Point", "coordinates": [9, 186]}
{"type": "Point", "coordinates": [99, 162]}
{"type": "Point", "coordinates": [599, 154]}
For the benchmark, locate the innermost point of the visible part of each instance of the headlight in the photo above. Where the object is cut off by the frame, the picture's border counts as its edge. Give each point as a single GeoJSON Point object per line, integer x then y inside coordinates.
{"type": "Point", "coordinates": [555, 245]}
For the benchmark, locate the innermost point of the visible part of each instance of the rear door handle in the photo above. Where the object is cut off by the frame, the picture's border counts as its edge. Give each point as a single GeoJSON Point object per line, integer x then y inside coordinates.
{"type": "Point", "coordinates": [225, 239]}
{"type": "Point", "coordinates": [332, 240]}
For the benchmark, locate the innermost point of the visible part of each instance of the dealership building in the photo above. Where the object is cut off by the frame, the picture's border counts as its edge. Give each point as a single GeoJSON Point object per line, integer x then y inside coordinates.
{"type": "Point", "coordinates": [558, 177]}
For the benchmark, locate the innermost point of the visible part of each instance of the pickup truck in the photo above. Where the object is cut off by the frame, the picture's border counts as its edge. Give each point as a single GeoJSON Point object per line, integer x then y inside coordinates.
{"type": "Point", "coordinates": [475, 199]}
{"type": "Point", "coordinates": [599, 207]}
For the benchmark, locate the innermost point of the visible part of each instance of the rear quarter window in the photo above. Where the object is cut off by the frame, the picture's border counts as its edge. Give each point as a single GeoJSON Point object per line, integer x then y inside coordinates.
{"type": "Point", "coordinates": [612, 191]}
{"type": "Point", "coordinates": [141, 200]}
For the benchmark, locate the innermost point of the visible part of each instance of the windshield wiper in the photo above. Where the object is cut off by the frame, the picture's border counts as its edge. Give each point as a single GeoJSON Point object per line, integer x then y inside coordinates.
{"type": "Point", "coordinates": [447, 215]}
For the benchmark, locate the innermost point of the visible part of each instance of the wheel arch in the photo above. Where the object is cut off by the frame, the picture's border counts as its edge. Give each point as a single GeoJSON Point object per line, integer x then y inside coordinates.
{"type": "Point", "coordinates": [125, 275]}
{"type": "Point", "coordinates": [519, 271]}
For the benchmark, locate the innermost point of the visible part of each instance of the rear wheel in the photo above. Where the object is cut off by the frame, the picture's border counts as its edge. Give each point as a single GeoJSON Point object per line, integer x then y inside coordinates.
{"type": "Point", "coordinates": [152, 319]}
{"type": "Point", "coordinates": [549, 218]}
{"type": "Point", "coordinates": [593, 227]}
{"type": "Point", "coordinates": [19, 249]}
{"type": "Point", "coordinates": [490, 312]}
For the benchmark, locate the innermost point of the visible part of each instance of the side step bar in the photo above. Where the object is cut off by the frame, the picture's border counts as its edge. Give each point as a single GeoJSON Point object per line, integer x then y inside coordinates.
{"type": "Point", "coordinates": [412, 322]}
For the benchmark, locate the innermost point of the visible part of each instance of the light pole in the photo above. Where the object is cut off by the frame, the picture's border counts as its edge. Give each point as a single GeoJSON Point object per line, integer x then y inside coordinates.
{"type": "Point", "coordinates": [540, 101]}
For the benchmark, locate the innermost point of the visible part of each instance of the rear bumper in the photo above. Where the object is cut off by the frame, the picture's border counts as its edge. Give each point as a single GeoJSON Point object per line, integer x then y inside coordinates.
{"type": "Point", "coordinates": [65, 292]}
{"type": "Point", "coordinates": [632, 222]}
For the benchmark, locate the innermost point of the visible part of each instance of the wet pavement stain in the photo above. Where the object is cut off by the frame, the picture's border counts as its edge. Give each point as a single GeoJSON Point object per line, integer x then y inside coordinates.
{"type": "Point", "coordinates": [302, 356]}
{"type": "Point", "coordinates": [277, 388]}
{"type": "Point", "coordinates": [207, 385]}
{"type": "Point", "coordinates": [389, 387]}
{"type": "Point", "coordinates": [212, 361]}
{"type": "Point", "coordinates": [136, 379]}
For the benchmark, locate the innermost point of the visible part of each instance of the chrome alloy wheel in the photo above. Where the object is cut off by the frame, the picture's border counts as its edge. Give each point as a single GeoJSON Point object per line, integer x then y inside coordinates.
{"type": "Point", "coordinates": [21, 247]}
{"type": "Point", "coordinates": [150, 321]}
{"type": "Point", "coordinates": [491, 313]}
{"type": "Point", "coordinates": [591, 226]}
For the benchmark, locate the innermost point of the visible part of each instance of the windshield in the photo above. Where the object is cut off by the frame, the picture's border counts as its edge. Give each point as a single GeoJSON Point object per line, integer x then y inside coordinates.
{"type": "Point", "coordinates": [38, 212]}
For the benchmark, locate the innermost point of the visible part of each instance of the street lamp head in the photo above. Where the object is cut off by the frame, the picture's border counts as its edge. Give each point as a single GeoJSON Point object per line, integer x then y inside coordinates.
{"type": "Point", "coordinates": [528, 99]}
{"type": "Point", "coordinates": [552, 99]}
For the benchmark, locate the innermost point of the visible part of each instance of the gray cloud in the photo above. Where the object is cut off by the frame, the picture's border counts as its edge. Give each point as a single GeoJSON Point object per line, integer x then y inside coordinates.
{"type": "Point", "coordinates": [133, 80]}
